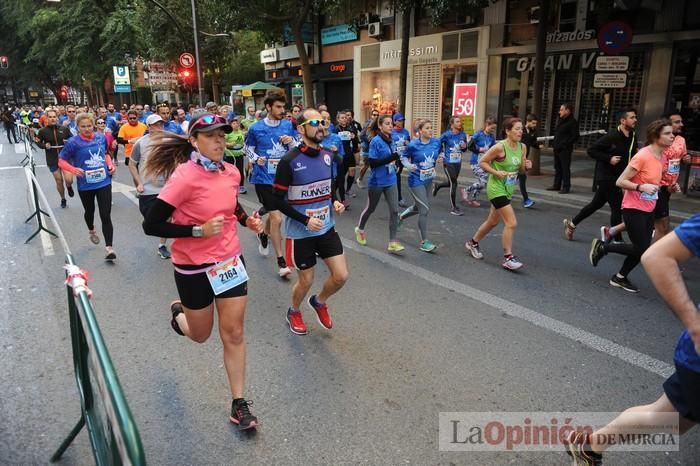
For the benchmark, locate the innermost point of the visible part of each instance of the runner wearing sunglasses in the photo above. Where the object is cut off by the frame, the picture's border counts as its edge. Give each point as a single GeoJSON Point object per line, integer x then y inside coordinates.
{"type": "Point", "coordinates": [306, 195]}
{"type": "Point", "coordinates": [130, 133]}
{"type": "Point", "coordinates": [198, 206]}
{"type": "Point", "coordinates": [266, 143]}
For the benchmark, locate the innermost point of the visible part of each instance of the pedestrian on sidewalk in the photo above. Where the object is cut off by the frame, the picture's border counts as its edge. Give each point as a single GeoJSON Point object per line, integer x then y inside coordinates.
{"type": "Point", "coordinates": [612, 153]}
{"type": "Point", "coordinates": [8, 120]}
{"type": "Point", "coordinates": [530, 141]}
{"type": "Point", "coordinates": [565, 135]}
{"type": "Point", "coordinates": [680, 396]}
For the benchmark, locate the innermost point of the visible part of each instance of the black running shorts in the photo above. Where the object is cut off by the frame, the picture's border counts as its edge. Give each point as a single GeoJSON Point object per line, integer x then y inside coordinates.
{"type": "Point", "coordinates": [266, 196]}
{"type": "Point", "coordinates": [682, 389]}
{"type": "Point", "coordinates": [499, 202]}
{"type": "Point", "coordinates": [195, 290]}
{"type": "Point", "coordinates": [662, 203]}
{"type": "Point", "coordinates": [301, 253]}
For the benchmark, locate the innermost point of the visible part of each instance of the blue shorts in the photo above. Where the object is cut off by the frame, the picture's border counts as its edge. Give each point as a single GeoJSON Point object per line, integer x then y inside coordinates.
{"type": "Point", "coordinates": [52, 168]}
{"type": "Point", "coordinates": [683, 391]}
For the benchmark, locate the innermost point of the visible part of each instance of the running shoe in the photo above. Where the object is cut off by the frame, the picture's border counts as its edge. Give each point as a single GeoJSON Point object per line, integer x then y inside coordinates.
{"type": "Point", "coordinates": [322, 315]}
{"type": "Point", "coordinates": [284, 271]}
{"type": "Point", "coordinates": [262, 247]}
{"type": "Point", "coordinates": [402, 203]}
{"type": "Point", "coordinates": [111, 256]}
{"type": "Point", "coordinates": [512, 263]}
{"type": "Point", "coordinates": [427, 246]}
{"type": "Point", "coordinates": [69, 188]}
{"type": "Point", "coordinates": [473, 249]}
{"type": "Point", "coordinates": [241, 415]}
{"type": "Point", "coordinates": [456, 212]}
{"type": "Point", "coordinates": [359, 183]}
{"type": "Point", "coordinates": [605, 236]}
{"type": "Point", "coordinates": [528, 203]}
{"type": "Point", "coordinates": [63, 203]}
{"type": "Point", "coordinates": [243, 190]}
{"type": "Point", "coordinates": [360, 236]}
{"type": "Point", "coordinates": [93, 237]}
{"type": "Point", "coordinates": [163, 252]}
{"type": "Point", "coordinates": [296, 322]}
{"type": "Point", "coordinates": [597, 252]}
{"type": "Point", "coordinates": [175, 309]}
{"type": "Point", "coordinates": [569, 229]}
{"type": "Point", "coordinates": [395, 247]}
{"type": "Point", "coordinates": [578, 447]}
{"type": "Point", "coordinates": [474, 203]}
{"type": "Point", "coordinates": [465, 195]}
{"type": "Point", "coordinates": [623, 283]}
{"type": "Point", "coordinates": [436, 188]}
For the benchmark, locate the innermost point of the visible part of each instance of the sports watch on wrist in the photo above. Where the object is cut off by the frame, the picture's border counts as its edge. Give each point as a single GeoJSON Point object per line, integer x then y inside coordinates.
{"type": "Point", "coordinates": [197, 231]}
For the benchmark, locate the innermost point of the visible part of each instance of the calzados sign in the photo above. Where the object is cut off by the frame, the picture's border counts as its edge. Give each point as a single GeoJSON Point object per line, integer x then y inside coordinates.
{"type": "Point", "coordinates": [553, 37]}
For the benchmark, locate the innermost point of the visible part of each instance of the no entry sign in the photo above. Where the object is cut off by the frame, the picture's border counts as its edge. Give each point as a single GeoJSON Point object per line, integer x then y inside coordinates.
{"type": "Point", "coordinates": [187, 60]}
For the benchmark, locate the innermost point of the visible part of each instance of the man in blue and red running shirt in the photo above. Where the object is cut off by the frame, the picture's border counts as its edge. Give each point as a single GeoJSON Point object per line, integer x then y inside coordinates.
{"type": "Point", "coordinates": [305, 194]}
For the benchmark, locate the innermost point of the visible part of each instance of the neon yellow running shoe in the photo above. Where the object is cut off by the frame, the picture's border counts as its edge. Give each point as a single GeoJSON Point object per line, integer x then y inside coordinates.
{"type": "Point", "coordinates": [360, 236]}
{"type": "Point", "coordinates": [395, 247]}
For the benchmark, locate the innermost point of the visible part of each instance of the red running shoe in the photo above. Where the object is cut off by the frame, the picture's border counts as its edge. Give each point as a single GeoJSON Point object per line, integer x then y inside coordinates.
{"type": "Point", "coordinates": [296, 322]}
{"type": "Point", "coordinates": [324, 318]}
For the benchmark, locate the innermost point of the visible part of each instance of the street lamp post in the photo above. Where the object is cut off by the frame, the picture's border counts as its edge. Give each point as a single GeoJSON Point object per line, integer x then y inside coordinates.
{"type": "Point", "coordinates": [196, 53]}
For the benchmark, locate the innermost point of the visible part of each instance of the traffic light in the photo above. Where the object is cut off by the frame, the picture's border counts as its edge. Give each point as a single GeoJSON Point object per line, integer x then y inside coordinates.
{"type": "Point", "coordinates": [4, 62]}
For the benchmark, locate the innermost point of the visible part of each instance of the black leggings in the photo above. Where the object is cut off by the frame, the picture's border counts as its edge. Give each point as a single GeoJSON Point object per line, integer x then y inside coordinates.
{"type": "Point", "coordinates": [522, 179]}
{"type": "Point", "coordinates": [640, 226]}
{"type": "Point", "coordinates": [452, 173]}
{"type": "Point", "coordinates": [104, 203]}
{"type": "Point", "coordinates": [607, 192]}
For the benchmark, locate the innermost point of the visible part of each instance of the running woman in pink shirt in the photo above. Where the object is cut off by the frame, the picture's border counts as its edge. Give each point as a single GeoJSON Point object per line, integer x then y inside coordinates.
{"type": "Point", "coordinates": [198, 206]}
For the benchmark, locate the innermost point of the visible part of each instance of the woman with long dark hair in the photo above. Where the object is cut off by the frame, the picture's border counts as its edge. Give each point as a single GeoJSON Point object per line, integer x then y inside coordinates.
{"type": "Point", "coordinates": [503, 162]}
{"type": "Point", "coordinates": [382, 180]}
{"type": "Point", "coordinates": [198, 206]}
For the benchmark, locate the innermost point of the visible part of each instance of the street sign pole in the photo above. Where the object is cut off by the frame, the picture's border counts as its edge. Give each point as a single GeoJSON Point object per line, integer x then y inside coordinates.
{"type": "Point", "coordinates": [196, 53]}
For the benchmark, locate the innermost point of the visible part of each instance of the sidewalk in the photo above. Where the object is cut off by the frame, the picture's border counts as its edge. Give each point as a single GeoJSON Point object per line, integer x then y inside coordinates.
{"type": "Point", "coordinates": [582, 166]}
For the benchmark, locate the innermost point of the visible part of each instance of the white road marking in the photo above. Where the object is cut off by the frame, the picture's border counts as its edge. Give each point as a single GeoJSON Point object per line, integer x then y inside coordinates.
{"type": "Point", "coordinates": [19, 148]}
{"type": "Point", "coordinates": [126, 190]}
{"type": "Point", "coordinates": [1, 145]}
{"type": "Point", "coordinates": [563, 329]}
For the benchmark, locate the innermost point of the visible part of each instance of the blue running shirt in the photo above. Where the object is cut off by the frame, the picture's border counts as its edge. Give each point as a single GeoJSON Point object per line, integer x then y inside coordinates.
{"type": "Point", "coordinates": [263, 140]}
{"type": "Point", "coordinates": [401, 138]}
{"type": "Point", "coordinates": [306, 175]}
{"type": "Point", "coordinates": [384, 176]}
{"type": "Point", "coordinates": [453, 145]}
{"type": "Point", "coordinates": [689, 234]}
{"type": "Point", "coordinates": [90, 156]}
{"type": "Point", "coordinates": [423, 156]}
{"type": "Point", "coordinates": [481, 139]}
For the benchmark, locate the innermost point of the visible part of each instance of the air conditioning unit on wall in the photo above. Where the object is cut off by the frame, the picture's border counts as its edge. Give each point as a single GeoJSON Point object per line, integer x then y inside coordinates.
{"type": "Point", "coordinates": [374, 29]}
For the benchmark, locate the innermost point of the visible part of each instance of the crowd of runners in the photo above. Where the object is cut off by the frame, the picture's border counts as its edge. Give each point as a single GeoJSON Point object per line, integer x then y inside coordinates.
{"type": "Point", "coordinates": [189, 166]}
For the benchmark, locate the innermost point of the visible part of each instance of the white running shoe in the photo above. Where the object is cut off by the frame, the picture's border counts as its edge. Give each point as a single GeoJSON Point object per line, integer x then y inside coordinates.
{"type": "Point", "coordinates": [512, 263]}
{"type": "Point", "coordinates": [285, 272]}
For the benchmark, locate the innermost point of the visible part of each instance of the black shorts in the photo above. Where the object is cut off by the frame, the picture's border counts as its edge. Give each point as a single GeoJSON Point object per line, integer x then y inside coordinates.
{"type": "Point", "coordinates": [683, 390]}
{"type": "Point", "coordinates": [349, 161]}
{"type": "Point", "coordinates": [146, 202]}
{"type": "Point", "coordinates": [499, 202]}
{"type": "Point", "coordinates": [301, 253]}
{"type": "Point", "coordinates": [195, 290]}
{"type": "Point", "coordinates": [266, 196]}
{"type": "Point", "coordinates": [662, 203]}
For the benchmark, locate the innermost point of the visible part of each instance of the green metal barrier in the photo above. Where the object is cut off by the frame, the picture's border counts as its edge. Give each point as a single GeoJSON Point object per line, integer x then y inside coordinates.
{"type": "Point", "coordinates": [113, 434]}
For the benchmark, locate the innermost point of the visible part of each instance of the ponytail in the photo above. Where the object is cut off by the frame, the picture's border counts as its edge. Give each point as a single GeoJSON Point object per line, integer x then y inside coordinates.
{"type": "Point", "coordinates": [166, 151]}
{"type": "Point", "coordinates": [373, 128]}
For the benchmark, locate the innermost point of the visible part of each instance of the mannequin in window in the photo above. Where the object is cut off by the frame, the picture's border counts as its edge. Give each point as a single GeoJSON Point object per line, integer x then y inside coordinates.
{"type": "Point", "coordinates": [377, 99]}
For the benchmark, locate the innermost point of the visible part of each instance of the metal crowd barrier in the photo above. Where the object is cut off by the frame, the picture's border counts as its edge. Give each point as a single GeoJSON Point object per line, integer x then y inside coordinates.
{"type": "Point", "coordinates": [114, 436]}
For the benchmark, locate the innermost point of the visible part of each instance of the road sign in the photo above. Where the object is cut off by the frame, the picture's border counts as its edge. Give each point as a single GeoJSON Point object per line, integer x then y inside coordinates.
{"type": "Point", "coordinates": [187, 60]}
{"type": "Point", "coordinates": [121, 75]}
{"type": "Point", "coordinates": [614, 37]}
{"type": "Point", "coordinates": [609, 80]}
{"type": "Point", "coordinates": [118, 88]}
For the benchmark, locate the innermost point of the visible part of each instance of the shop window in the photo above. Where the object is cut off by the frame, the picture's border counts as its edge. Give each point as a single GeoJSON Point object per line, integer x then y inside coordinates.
{"type": "Point", "coordinates": [469, 44]}
{"type": "Point", "coordinates": [451, 75]}
{"type": "Point", "coordinates": [379, 91]}
{"type": "Point", "coordinates": [450, 46]}
{"type": "Point", "coordinates": [567, 15]}
{"type": "Point", "coordinates": [369, 56]}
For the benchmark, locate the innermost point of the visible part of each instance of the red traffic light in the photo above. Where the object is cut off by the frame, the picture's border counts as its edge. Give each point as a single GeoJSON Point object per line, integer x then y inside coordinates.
{"type": "Point", "coordinates": [186, 74]}
{"type": "Point", "coordinates": [4, 62]}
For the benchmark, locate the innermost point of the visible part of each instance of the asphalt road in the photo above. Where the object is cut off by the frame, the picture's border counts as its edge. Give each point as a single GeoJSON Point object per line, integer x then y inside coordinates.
{"type": "Point", "coordinates": [413, 336]}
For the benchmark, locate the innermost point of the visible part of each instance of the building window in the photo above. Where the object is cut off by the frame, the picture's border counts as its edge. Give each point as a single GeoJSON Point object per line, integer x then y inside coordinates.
{"type": "Point", "coordinates": [451, 75]}
{"type": "Point", "coordinates": [379, 90]}
{"type": "Point", "coordinates": [567, 15]}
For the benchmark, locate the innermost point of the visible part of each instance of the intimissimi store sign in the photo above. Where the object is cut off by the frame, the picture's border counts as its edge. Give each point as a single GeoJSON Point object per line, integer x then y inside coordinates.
{"type": "Point", "coordinates": [568, 61]}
